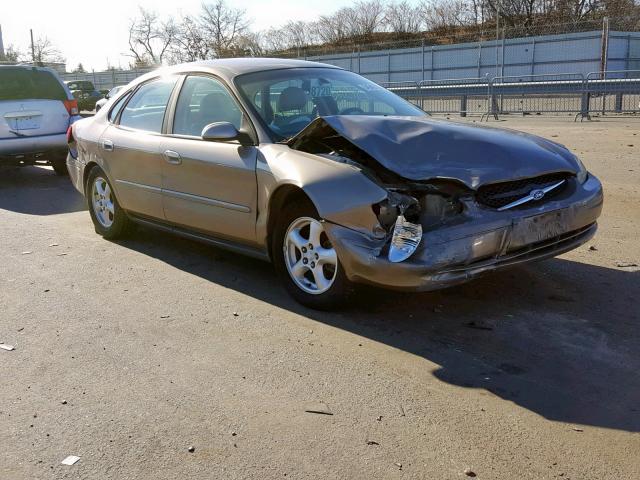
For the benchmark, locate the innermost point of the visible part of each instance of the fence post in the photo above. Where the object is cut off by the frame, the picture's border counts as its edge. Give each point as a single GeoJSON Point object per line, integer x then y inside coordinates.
{"type": "Point", "coordinates": [586, 99]}
{"type": "Point", "coordinates": [618, 107]}
{"type": "Point", "coordinates": [493, 103]}
{"type": "Point", "coordinates": [422, 58]}
{"type": "Point", "coordinates": [533, 56]}
{"type": "Point", "coordinates": [463, 106]}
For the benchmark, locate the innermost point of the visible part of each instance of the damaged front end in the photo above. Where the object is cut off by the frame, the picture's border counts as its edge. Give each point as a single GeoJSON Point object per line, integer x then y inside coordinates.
{"type": "Point", "coordinates": [433, 230]}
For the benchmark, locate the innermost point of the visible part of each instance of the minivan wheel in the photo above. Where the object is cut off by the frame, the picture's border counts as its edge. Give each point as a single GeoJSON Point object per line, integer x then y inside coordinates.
{"type": "Point", "coordinates": [60, 167]}
{"type": "Point", "coordinates": [109, 219]}
{"type": "Point", "coordinates": [306, 261]}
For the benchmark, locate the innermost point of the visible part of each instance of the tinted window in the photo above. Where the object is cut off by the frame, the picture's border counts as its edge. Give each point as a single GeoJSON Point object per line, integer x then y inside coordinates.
{"type": "Point", "coordinates": [145, 110]}
{"type": "Point", "coordinates": [287, 100]}
{"type": "Point", "coordinates": [113, 113]}
{"type": "Point", "coordinates": [24, 84]}
{"type": "Point", "coordinates": [204, 100]}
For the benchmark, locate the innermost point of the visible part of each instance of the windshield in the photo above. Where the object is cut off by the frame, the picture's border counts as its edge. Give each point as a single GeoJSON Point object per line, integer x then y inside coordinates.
{"type": "Point", "coordinates": [287, 100]}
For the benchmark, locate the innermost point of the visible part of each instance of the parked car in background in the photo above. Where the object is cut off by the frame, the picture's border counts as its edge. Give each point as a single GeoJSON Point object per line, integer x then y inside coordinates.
{"type": "Point", "coordinates": [81, 85]}
{"type": "Point", "coordinates": [85, 92]}
{"type": "Point", "coordinates": [112, 93]}
{"type": "Point", "coordinates": [36, 110]}
{"type": "Point", "coordinates": [333, 178]}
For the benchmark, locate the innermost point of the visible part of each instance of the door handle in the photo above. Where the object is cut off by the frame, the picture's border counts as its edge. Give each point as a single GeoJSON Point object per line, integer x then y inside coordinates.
{"type": "Point", "coordinates": [107, 145]}
{"type": "Point", "coordinates": [172, 157]}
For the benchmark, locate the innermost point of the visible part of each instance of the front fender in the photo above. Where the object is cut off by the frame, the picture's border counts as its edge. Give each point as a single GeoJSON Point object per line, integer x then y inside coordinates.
{"type": "Point", "coordinates": [341, 193]}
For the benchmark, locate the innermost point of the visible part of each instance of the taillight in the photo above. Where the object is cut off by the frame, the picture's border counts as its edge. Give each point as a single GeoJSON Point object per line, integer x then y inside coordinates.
{"type": "Point", "coordinates": [71, 106]}
{"type": "Point", "coordinates": [71, 142]}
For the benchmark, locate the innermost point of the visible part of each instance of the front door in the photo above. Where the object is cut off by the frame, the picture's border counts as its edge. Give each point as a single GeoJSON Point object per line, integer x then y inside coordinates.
{"type": "Point", "coordinates": [209, 186]}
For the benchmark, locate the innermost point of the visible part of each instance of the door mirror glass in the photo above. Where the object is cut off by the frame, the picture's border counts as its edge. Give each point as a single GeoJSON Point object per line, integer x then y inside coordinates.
{"type": "Point", "coordinates": [220, 132]}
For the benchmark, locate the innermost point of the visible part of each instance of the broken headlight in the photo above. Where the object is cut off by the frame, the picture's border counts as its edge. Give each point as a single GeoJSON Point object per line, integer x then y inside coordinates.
{"type": "Point", "coordinates": [582, 174]}
{"type": "Point", "coordinates": [405, 240]}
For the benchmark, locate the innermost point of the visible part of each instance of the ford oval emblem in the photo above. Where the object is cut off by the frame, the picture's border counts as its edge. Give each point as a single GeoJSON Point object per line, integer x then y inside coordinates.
{"type": "Point", "coordinates": [537, 194]}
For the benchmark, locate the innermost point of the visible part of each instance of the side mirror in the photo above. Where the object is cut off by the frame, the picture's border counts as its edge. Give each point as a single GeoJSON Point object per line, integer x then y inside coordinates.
{"type": "Point", "coordinates": [225, 132]}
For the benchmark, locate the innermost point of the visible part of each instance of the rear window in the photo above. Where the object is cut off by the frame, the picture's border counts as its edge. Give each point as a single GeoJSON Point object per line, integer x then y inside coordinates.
{"type": "Point", "coordinates": [80, 85]}
{"type": "Point", "coordinates": [24, 84]}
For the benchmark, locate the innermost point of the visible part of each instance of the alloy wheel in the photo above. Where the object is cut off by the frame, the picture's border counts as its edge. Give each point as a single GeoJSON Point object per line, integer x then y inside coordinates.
{"type": "Point", "coordinates": [309, 256]}
{"type": "Point", "coordinates": [102, 201]}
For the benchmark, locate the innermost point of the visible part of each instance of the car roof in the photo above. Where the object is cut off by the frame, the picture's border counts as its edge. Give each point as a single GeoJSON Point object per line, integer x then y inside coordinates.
{"type": "Point", "coordinates": [230, 68]}
{"type": "Point", "coordinates": [238, 66]}
{"type": "Point", "coordinates": [28, 67]}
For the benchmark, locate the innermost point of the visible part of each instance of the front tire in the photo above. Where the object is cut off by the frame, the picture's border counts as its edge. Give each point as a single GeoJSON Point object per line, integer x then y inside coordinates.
{"type": "Point", "coordinates": [109, 219]}
{"type": "Point", "coordinates": [306, 261]}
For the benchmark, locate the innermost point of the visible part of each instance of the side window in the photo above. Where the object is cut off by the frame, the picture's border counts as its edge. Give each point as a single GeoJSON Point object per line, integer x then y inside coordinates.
{"type": "Point", "coordinates": [145, 110]}
{"type": "Point", "coordinates": [113, 113]}
{"type": "Point", "coordinates": [204, 100]}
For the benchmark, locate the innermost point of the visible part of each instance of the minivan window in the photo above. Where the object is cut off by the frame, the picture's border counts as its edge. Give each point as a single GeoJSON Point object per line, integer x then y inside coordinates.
{"type": "Point", "coordinates": [204, 100]}
{"type": "Point", "coordinates": [26, 84]}
{"type": "Point", "coordinates": [145, 110]}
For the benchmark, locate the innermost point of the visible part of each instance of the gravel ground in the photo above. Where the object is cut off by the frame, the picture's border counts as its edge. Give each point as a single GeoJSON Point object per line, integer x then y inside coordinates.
{"type": "Point", "coordinates": [127, 354]}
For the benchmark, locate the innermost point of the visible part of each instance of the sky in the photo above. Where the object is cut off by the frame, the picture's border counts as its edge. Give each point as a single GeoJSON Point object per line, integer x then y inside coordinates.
{"type": "Point", "coordinates": [95, 33]}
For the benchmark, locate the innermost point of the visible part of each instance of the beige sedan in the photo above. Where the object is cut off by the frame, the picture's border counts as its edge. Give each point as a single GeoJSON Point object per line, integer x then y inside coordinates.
{"type": "Point", "coordinates": [331, 177]}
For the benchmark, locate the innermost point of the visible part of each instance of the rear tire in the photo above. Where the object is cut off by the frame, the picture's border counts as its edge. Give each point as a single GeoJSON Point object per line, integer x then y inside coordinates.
{"type": "Point", "coordinates": [305, 260]}
{"type": "Point", "coordinates": [109, 219]}
{"type": "Point", "coordinates": [60, 167]}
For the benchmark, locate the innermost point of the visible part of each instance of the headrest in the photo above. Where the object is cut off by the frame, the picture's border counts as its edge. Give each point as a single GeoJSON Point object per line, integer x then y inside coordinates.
{"type": "Point", "coordinates": [292, 98]}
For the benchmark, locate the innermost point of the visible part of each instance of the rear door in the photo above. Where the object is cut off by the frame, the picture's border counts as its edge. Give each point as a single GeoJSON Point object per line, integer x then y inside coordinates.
{"type": "Point", "coordinates": [130, 147]}
{"type": "Point", "coordinates": [32, 103]}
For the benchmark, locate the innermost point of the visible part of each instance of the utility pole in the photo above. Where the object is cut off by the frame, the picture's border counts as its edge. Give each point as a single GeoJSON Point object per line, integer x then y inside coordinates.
{"type": "Point", "coordinates": [1, 44]}
{"type": "Point", "coordinates": [33, 48]}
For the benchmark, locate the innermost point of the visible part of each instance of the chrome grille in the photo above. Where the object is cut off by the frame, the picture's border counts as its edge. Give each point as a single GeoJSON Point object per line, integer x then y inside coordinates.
{"type": "Point", "coordinates": [497, 195]}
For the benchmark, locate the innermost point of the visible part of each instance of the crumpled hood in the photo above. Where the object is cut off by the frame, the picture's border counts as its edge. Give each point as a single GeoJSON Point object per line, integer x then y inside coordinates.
{"type": "Point", "coordinates": [418, 148]}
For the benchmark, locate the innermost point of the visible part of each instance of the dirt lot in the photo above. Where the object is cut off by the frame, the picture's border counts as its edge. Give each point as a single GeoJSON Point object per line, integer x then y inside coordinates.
{"type": "Point", "coordinates": [129, 353]}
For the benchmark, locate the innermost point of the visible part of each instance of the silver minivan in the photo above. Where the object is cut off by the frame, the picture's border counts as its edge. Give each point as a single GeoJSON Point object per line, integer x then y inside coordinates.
{"type": "Point", "coordinates": [36, 110]}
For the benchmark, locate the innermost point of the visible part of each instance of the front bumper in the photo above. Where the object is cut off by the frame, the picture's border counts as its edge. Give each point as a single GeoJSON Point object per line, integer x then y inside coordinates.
{"type": "Point", "coordinates": [486, 241]}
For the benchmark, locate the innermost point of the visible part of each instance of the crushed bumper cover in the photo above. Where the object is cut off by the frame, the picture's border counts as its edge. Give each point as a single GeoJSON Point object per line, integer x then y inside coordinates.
{"type": "Point", "coordinates": [487, 241]}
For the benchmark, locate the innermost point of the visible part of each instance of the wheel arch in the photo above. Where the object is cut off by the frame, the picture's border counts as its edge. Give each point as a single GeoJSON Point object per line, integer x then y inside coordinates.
{"type": "Point", "coordinates": [285, 193]}
{"type": "Point", "coordinates": [85, 174]}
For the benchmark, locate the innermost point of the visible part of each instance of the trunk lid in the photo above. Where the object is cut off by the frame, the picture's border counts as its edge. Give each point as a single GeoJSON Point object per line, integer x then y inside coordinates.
{"type": "Point", "coordinates": [27, 118]}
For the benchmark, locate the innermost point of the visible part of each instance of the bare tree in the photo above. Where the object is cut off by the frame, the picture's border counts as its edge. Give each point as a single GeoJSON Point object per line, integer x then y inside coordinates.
{"type": "Point", "coordinates": [150, 37]}
{"type": "Point", "coordinates": [191, 42]}
{"type": "Point", "coordinates": [44, 51]}
{"type": "Point", "coordinates": [223, 26]}
{"type": "Point", "coordinates": [333, 28]}
{"type": "Point", "coordinates": [298, 34]}
{"type": "Point", "coordinates": [444, 14]}
{"type": "Point", "coordinates": [402, 17]}
{"type": "Point", "coordinates": [11, 54]}
{"type": "Point", "coordinates": [274, 40]}
{"type": "Point", "coordinates": [365, 17]}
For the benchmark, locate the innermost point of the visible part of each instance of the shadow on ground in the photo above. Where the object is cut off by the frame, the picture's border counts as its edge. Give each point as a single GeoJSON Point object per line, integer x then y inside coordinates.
{"type": "Point", "coordinates": [37, 191]}
{"type": "Point", "coordinates": [558, 338]}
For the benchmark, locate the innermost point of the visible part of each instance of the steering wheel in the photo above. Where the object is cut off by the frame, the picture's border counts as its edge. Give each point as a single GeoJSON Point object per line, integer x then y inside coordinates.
{"type": "Point", "coordinates": [352, 111]}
